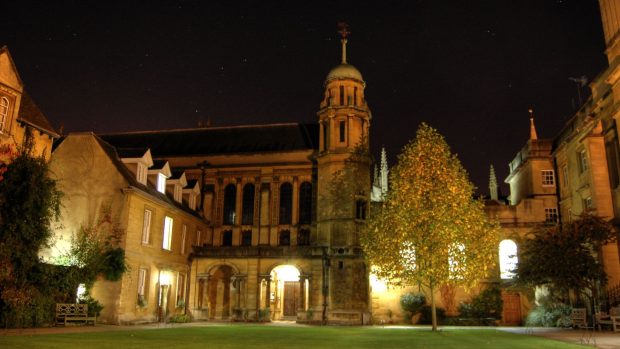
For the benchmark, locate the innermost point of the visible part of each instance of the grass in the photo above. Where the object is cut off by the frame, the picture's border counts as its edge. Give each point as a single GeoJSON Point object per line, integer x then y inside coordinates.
{"type": "Point", "coordinates": [262, 337]}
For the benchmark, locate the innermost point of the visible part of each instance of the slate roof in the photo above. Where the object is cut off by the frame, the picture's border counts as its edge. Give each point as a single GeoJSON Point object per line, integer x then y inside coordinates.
{"type": "Point", "coordinates": [32, 115]}
{"type": "Point", "coordinates": [221, 140]}
{"type": "Point", "coordinates": [111, 152]}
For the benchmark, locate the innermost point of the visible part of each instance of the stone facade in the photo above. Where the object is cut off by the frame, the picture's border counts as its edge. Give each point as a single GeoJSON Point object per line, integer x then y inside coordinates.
{"type": "Point", "coordinates": [20, 118]}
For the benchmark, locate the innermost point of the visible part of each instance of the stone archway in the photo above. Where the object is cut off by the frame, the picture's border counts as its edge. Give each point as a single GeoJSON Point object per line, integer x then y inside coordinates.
{"type": "Point", "coordinates": [288, 294]}
{"type": "Point", "coordinates": [219, 292]}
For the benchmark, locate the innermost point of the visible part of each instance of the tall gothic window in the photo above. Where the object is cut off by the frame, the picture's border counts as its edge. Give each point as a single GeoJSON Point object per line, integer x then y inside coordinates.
{"type": "Point", "coordinates": [341, 95]}
{"type": "Point", "coordinates": [230, 201]}
{"type": "Point", "coordinates": [360, 209]}
{"type": "Point", "coordinates": [247, 217]}
{"type": "Point", "coordinates": [305, 203]}
{"type": "Point", "coordinates": [286, 203]}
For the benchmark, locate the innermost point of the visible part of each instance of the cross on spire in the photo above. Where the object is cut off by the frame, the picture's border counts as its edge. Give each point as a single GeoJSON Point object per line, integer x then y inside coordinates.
{"type": "Point", "coordinates": [344, 32]}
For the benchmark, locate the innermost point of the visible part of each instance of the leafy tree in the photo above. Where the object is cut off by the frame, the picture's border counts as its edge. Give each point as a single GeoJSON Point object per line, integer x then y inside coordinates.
{"type": "Point", "coordinates": [430, 231]}
{"type": "Point", "coordinates": [29, 205]}
{"type": "Point", "coordinates": [569, 256]}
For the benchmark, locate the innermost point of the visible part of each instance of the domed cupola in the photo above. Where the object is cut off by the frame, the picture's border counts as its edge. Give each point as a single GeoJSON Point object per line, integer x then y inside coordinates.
{"type": "Point", "coordinates": [344, 116]}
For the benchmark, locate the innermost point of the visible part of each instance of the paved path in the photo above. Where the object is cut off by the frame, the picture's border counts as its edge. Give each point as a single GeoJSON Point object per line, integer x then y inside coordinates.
{"type": "Point", "coordinates": [602, 340]}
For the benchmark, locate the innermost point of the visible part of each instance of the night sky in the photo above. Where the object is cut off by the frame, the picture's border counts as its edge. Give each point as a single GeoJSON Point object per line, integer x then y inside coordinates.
{"type": "Point", "coordinates": [471, 69]}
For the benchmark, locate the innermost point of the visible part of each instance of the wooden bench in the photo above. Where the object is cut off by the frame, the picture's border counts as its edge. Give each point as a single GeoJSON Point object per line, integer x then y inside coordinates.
{"type": "Point", "coordinates": [612, 319]}
{"type": "Point", "coordinates": [66, 312]}
{"type": "Point", "coordinates": [578, 317]}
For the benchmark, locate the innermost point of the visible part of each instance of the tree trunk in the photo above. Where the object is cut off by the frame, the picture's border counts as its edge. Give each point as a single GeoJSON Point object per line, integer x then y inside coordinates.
{"type": "Point", "coordinates": [433, 310]}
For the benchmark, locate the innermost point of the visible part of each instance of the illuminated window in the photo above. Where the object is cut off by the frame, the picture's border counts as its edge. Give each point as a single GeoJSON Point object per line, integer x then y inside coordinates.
{"type": "Point", "coordinates": [246, 238]}
{"type": "Point", "coordinates": [285, 238]}
{"type": "Point", "coordinates": [4, 112]}
{"type": "Point", "coordinates": [286, 203]}
{"type": "Point", "coordinates": [183, 238]}
{"type": "Point", "coordinates": [167, 240]}
{"type": "Point", "coordinates": [146, 226]}
{"type": "Point", "coordinates": [548, 179]}
{"type": "Point", "coordinates": [227, 238]}
{"type": "Point", "coordinates": [247, 213]}
{"type": "Point", "coordinates": [551, 215]}
{"type": "Point", "coordinates": [230, 200]}
{"type": "Point", "coordinates": [583, 161]}
{"type": "Point", "coordinates": [141, 286]}
{"type": "Point", "coordinates": [507, 259]}
{"type": "Point", "coordinates": [305, 203]}
{"type": "Point", "coordinates": [342, 130]}
{"type": "Point", "coordinates": [456, 260]}
{"type": "Point", "coordinates": [161, 183]}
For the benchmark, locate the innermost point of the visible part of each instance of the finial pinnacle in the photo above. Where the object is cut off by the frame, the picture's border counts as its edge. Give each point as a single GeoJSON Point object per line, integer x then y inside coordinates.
{"type": "Point", "coordinates": [533, 134]}
{"type": "Point", "coordinates": [344, 32]}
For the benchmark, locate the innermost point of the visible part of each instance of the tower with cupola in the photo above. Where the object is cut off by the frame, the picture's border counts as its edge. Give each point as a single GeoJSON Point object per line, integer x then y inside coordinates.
{"type": "Point", "coordinates": [343, 190]}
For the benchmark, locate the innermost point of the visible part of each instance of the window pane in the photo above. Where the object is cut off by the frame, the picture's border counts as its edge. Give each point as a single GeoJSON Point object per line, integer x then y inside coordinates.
{"type": "Point", "coordinates": [248, 204]}
{"type": "Point", "coordinates": [507, 259]}
{"type": "Point", "coordinates": [286, 203]}
{"type": "Point", "coordinates": [230, 201]}
{"type": "Point", "coordinates": [305, 203]}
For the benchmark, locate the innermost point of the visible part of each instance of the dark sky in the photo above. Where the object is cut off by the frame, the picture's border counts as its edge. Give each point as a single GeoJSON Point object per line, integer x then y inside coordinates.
{"type": "Point", "coordinates": [468, 68]}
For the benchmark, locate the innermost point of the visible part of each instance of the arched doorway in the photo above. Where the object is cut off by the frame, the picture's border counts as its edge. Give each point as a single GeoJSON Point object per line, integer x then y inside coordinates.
{"type": "Point", "coordinates": [286, 292]}
{"type": "Point", "coordinates": [219, 292]}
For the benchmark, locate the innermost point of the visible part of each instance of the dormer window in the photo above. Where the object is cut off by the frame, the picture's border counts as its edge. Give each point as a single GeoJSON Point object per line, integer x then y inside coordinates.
{"type": "Point", "coordinates": [178, 193]}
{"type": "Point", "coordinates": [4, 113]}
{"type": "Point", "coordinates": [141, 173]}
{"type": "Point", "coordinates": [161, 183]}
{"type": "Point", "coordinates": [192, 201]}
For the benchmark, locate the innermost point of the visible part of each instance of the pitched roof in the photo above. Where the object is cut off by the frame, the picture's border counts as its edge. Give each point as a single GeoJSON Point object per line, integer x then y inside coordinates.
{"type": "Point", "coordinates": [32, 115]}
{"type": "Point", "coordinates": [221, 140]}
{"type": "Point", "coordinates": [131, 178]}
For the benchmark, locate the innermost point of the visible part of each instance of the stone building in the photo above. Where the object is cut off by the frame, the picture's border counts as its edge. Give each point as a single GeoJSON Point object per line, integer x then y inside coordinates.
{"type": "Point", "coordinates": [20, 118]}
{"type": "Point", "coordinates": [153, 207]}
{"type": "Point", "coordinates": [280, 207]}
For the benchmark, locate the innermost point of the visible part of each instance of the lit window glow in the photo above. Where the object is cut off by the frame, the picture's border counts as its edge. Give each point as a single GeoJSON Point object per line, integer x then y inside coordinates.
{"type": "Point", "coordinates": [286, 273]}
{"type": "Point", "coordinates": [507, 259]}
{"type": "Point", "coordinates": [161, 183]}
{"type": "Point", "coordinates": [167, 239]}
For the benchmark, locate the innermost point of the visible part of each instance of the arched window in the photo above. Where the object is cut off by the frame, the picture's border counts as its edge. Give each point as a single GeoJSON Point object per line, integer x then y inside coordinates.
{"type": "Point", "coordinates": [456, 260]}
{"type": "Point", "coordinates": [227, 238]}
{"type": "Point", "coordinates": [4, 112]}
{"type": "Point", "coordinates": [247, 216]}
{"type": "Point", "coordinates": [285, 238]}
{"type": "Point", "coordinates": [286, 203]}
{"type": "Point", "coordinates": [230, 201]}
{"type": "Point", "coordinates": [507, 259]}
{"type": "Point", "coordinates": [305, 203]}
{"type": "Point", "coordinates": [303, 237]}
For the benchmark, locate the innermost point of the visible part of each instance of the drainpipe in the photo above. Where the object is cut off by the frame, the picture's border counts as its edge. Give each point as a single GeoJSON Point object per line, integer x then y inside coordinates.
{"type": "Point", "coordinates": [326, 265]}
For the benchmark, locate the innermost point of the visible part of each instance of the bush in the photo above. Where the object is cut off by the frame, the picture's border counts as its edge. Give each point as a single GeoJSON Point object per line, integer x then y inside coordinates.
{"type": "Point", "coordinates": [179, 319]}
{"type": "Point", "coordinates": [94, 307]}
{"type": "Point", "coordinates": [427, 316]}
{"type": "Point", "coordinates": [549, 314]}
{"type": "Point", "coordinates": [412, 303]}
{"type": "Point", "coordinates": [487, 304]}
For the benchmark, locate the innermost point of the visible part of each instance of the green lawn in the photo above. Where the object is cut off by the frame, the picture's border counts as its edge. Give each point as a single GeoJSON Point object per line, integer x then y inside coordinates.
{"type": "Point", "coordinates": [259, 337]}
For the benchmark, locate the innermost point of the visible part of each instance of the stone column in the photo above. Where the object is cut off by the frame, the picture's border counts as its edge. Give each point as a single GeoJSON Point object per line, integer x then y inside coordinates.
{"type": "Point", "coordinates": [302, 293]}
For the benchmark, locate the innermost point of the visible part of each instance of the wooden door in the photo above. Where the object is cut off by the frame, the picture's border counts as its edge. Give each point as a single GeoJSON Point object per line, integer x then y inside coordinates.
{"type": "Point", "coordinates": [512, 309]}
{"type": "Point", "coordinates": [291, 295]}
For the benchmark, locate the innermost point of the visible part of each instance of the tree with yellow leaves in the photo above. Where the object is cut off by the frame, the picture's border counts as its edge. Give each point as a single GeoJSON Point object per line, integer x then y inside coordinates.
{"type": "Point", "coordinates": [430, 231]}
